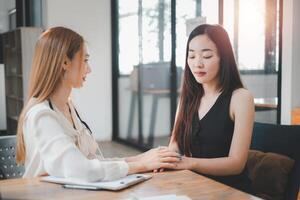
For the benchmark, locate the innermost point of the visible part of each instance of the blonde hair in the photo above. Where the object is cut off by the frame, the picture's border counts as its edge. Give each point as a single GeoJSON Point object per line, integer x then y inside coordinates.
{"type": "Point", "coordinates": [53, 47]}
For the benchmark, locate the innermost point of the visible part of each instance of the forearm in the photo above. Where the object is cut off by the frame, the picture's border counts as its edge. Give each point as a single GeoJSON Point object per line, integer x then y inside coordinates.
{"type": "Point", "coordinates": [215, 166]}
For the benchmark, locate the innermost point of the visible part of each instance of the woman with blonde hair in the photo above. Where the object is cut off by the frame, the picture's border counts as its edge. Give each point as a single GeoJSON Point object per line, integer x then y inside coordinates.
{"type": "Point", "coordinates": [52, 138]}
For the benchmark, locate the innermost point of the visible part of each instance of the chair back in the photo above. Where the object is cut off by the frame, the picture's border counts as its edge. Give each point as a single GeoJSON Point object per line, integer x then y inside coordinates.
{"type": "Point", "coordinates": [8, 166]}
{"type": "Point", "coordinates": [281, 139]}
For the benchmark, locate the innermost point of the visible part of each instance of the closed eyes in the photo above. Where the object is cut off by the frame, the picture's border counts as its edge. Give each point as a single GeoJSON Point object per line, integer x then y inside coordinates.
{"type": "Point", "coordinates": [205, 57]}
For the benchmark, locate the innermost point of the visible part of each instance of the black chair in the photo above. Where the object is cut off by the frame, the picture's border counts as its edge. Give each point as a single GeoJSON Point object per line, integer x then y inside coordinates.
{"type": "Point", "coordinates": [8, 166]}
{"type": "Point", "coordinates": [281, 139]}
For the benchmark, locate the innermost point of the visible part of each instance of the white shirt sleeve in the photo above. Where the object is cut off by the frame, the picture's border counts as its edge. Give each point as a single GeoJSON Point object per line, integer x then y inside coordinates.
{"type": "Point", "coordinates": [60, 155]}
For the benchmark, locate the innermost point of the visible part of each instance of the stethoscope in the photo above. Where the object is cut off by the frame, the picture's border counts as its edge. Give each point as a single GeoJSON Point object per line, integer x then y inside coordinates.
{"type": "Point", "coordinates": [86, 126]}
{"type": "Point", "coordinates": [83, 122]}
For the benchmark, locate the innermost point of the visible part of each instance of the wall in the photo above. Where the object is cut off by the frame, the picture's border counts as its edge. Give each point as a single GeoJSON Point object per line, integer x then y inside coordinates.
{"type": "Point", "coordinates": [290, 59]}
{"type": "Point", "coordinates": [296, 57]}
{"type": "Point", "coordinates": [92, 20]}
{"type": "Point", "coordinates": [287, 43]}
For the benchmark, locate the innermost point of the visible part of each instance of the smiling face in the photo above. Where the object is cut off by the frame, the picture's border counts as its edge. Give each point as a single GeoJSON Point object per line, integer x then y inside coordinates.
{"type": "Point", "coordinates": [203, 59]}
{"type": "Point", "coordinates": [77, 69]}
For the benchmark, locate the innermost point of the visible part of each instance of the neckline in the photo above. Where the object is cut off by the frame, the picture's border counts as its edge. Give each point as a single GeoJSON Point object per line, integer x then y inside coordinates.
{"type": "Point", "coordinates": [209, 111]}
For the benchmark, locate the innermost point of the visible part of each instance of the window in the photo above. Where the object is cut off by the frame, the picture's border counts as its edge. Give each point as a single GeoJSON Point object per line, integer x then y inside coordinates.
{"type": "Point", "coordinates": [253, 30]}
{"type": "Point", "coordinates": [145, 28]}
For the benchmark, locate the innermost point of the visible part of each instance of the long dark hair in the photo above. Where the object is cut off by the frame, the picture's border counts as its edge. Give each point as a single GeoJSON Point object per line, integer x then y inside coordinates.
{"type": "Point", "coordinates": [192, 91]}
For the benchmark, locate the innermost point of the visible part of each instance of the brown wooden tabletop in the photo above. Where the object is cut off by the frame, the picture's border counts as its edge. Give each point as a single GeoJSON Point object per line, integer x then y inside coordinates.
{"type": "Point", "coordinates": [172, 182]}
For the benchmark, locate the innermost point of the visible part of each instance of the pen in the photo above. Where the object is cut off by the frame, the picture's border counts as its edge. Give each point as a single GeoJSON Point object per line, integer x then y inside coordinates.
{"type": "Point", "coordinates": [82, 187]}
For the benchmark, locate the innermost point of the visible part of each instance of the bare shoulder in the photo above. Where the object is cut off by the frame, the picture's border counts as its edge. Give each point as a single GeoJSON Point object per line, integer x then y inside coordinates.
{"type": "Point", "coordinates": [242, 102]}
{"type": "Point", "coordinates": [242, 95]}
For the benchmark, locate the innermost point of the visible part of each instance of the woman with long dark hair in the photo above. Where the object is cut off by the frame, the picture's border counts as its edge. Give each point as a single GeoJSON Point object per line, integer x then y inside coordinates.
{"type": "Point", "coordinates": [214, 120]}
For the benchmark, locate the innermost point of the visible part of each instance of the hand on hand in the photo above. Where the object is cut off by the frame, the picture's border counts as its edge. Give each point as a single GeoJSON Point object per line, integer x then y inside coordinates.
{"type": "Point", "coordinates": [159, 158]}
{"type": "Point", "coordinates": [182, 164]}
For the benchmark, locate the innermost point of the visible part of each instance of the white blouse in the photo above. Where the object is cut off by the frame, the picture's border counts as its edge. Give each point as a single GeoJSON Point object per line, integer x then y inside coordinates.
{"type": "Point", "coordinates": [54, 147]}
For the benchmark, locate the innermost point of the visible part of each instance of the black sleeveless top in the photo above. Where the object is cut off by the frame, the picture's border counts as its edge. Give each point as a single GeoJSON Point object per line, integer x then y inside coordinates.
{"type": "Point", "coordinates": [211, 138]}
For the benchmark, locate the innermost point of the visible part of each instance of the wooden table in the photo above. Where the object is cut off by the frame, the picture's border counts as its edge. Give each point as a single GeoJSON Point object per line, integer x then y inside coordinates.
{"type": "Point", "coordinates": [173, 182]}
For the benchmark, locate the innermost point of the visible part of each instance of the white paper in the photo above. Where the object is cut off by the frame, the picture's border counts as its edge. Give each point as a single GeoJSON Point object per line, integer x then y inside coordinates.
{"type": "Point", "coordinates": [109, 185]}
